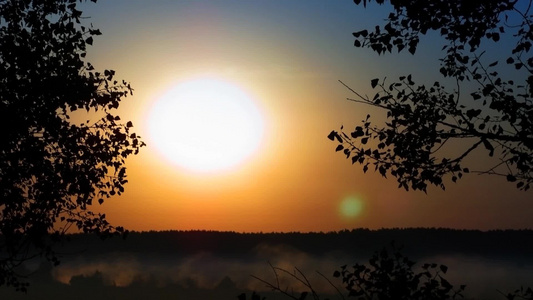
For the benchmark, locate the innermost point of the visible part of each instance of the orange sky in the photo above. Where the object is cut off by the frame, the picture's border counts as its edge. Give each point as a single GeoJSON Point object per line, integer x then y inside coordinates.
{"type": "Point", "coordinates": [287, 56]}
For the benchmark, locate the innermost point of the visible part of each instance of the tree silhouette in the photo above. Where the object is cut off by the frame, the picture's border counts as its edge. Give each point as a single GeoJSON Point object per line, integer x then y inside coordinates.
{"type": "Point", "coordinates": [484, 111]}
{"type": "Point", "coordinates": [53, 167]}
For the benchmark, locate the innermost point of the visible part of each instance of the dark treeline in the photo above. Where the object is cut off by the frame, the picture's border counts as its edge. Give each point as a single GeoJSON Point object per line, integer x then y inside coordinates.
{"type": "Point", "coordinates": [416, 242]}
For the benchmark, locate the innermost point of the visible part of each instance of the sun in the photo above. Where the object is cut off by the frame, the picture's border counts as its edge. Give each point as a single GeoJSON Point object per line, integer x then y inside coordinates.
{"type": "Point", "coordinates": [206, 125]}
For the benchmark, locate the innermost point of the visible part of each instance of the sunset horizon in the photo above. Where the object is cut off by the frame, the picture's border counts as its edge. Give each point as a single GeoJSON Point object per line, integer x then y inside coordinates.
{"type": "Point", "coordinates": [289, 71]}
{"type": "Point", "coordinates": [266, 149]}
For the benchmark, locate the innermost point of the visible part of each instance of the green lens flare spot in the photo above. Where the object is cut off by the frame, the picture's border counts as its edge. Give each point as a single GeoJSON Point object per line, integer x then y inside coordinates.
{"type": "Point", "coordinates": [351, 207]}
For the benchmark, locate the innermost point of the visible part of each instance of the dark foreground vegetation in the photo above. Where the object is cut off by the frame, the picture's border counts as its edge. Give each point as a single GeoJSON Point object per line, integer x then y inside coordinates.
{"type": "Point", "coordinates": [388, 275]}
{"type": "Point", "coordinates": [227, 265]}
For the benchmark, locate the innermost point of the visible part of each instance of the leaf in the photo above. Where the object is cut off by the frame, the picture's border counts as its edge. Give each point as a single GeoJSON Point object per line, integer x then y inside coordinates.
{"type": "Point", "coordinates": [409, 79]}
{"type": "Point", "coordinates": [383, 171]}
{"type": "Point", "coordinates": [443, 268]}
{"type": "Point", "coordinates": [95, 31]}
{"type": "Point", "coordinates": [303, 295]}
{"type": "Point", "coordinates": [339, 148]}
{"type": "Point", "coordinates": [472, 113]}
{"type": "Point", "coordinates": [89, 40]}
{"type": "Point", "coordinates": [374, 82]}
{"type": "Point", "coordinates": [489, 147]}
{"type": "Point", "coordinates": [332, 135]}
{"type": "Point", "coordinates": [511, 178]}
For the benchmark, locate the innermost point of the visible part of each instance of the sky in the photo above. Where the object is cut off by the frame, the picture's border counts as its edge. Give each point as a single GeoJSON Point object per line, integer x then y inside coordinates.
{"type": "Point", "coordinates": [284, 58]}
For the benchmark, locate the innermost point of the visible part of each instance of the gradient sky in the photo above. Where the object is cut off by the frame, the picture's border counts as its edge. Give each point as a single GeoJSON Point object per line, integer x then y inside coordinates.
{"type": "Point", "coordinates": [288, 57]}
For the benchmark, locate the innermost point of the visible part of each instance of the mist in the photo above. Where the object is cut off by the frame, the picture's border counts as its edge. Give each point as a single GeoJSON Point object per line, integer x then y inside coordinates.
{"type": "Point", "coordinates": [120, 275]}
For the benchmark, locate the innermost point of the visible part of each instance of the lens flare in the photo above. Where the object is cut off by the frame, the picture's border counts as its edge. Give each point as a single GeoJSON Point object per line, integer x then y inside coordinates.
{"type": "Point", "coordinates": [351, 207]}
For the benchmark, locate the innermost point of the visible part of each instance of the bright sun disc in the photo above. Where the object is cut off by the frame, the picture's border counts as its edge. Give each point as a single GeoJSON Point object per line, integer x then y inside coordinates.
{"type": "Point", "coordinates": [205, 125]}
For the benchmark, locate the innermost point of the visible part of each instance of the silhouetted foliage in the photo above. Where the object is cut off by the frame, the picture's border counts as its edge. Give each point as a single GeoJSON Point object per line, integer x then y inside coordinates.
{"type": "Point", "coordinates": [521, 293]}
{"type": "Point", "coordinates": [52, 167]}
{"type": "Point", "coordinates": [495, 114]}
{"type": "Point", "coordinates": [391, 276]}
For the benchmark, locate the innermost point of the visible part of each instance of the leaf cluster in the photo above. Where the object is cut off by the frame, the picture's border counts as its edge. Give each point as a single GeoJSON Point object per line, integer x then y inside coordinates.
{"type": "Point", "coordinates": [521, 293]}
{"type": "Point", "coordinates": [421, 120]}
{"type": "Point", "coordinates": [390, 275]}
{"type": "Point", "coordinates": [459, 21]}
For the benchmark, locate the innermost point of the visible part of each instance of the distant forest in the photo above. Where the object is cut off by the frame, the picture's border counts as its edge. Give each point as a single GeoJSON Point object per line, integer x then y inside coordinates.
{"type": "Point", "coordinates": [416, 242]}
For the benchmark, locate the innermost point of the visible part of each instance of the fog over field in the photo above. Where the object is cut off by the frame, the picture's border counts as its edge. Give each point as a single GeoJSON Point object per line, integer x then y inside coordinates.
{"type": "Point", "coordinates": [159, 269]}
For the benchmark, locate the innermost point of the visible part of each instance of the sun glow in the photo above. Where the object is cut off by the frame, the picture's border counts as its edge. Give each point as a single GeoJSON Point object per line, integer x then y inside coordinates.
{"type": "Point", "coordinates": [205, 125]}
